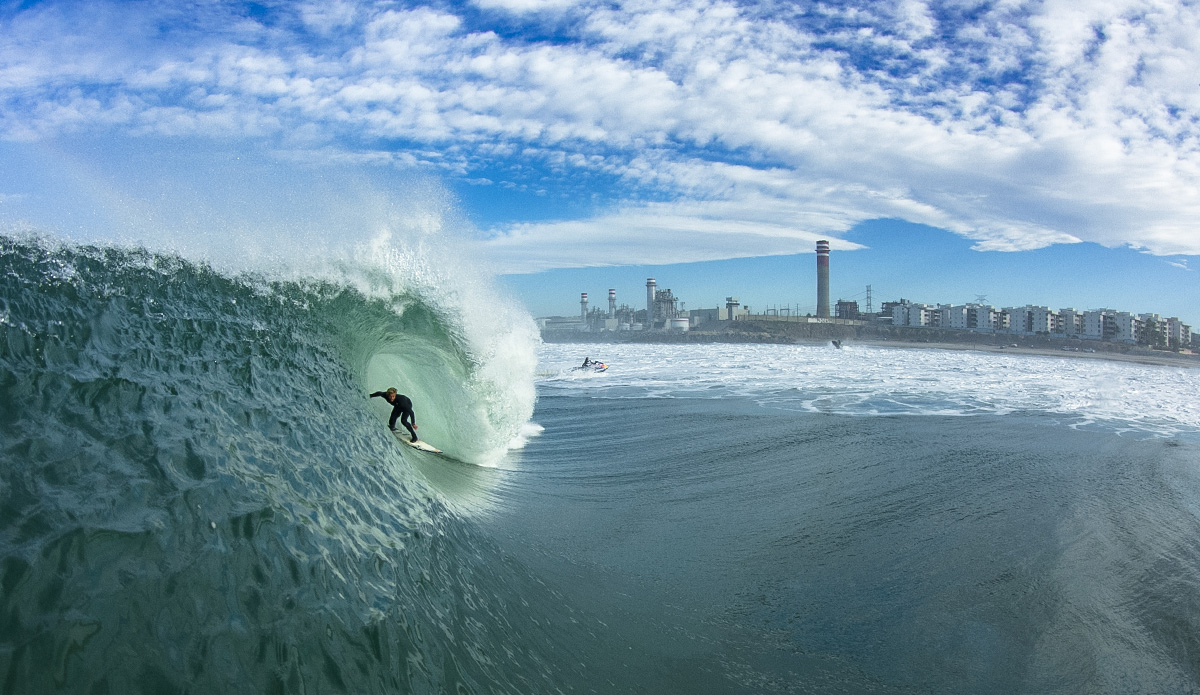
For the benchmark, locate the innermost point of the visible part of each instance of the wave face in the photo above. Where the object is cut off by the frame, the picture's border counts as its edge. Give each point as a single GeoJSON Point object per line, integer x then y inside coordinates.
{"type": "Point", "coordinates": [195, 489]}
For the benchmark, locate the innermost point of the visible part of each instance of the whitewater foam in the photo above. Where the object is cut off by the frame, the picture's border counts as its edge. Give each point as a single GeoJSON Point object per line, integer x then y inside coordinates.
{"type": "Point", "coordinates": [873, 381]}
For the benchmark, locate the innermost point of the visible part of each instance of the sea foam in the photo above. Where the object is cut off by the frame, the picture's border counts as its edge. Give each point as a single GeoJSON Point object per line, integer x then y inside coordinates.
{"type": "Point", "coordinates": [879, 381]}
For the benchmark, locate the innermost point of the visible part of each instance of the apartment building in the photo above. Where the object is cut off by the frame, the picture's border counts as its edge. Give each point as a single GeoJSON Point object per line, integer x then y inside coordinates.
{"type": "Point", "coordinates": [1179, 334]}
{"type": "Point", "coordinates": [1097, 324]}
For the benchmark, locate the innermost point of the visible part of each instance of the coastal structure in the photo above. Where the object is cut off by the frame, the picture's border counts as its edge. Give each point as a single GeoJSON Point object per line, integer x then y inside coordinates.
{"type": "Point", "coordinates": [651, 290]}
{"type": "Point", "coordinates": [733, 310]}
{"type": "Point", "coordinates": [822, 279]}
{"type": "Point", "coordinates": [847, 310]}
{"type": "Point", "coordinates": [1098, 324]}
{"type": "Point", "coordinates": [666, 309]}
{"type": "Point", "coordinates": [664, 313]}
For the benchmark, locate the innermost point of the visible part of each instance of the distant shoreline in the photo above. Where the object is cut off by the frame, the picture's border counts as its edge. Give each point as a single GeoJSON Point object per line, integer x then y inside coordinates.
{"type": "Point", "coordinates": [735, 332]}
{"type": "Point", "coordinates": [1148, 358]}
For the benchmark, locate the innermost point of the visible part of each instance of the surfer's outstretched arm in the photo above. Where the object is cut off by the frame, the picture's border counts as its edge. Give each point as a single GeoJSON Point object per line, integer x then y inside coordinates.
{"type": "Point", "coordinates": [380, 394]}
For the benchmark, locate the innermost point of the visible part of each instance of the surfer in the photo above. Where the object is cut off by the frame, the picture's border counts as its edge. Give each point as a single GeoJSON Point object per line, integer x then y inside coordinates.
{"type": "Point", "coordinates": [587, 361]}
{"type": "Point", "coordinates": [401, 408]}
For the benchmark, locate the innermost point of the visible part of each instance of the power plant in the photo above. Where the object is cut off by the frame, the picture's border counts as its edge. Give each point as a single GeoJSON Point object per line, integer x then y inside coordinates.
{"type": "Point", "coordinates": [663, 310]}
{"type": "Point", "coordinates": [651, 290]}
{"type": "Point", "coordinates": [823, 279]}
{"type": "Point", "coordinates": [664, 313]}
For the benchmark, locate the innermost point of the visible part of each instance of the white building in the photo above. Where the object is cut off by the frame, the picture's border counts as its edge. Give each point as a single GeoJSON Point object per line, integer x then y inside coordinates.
{"type": "Point", "coordinates": [1097, 324]}
{"type": "Point", "coordinates": [1157, 324]}
{"type": "Point", "coordinates": [924, 315]}
{"type": "Point", "coordinates": [1093, 323]}
{"type": "Point", "coordinates": [1128, 327]}
{"type": "Point", "coordinates": [913, 314]}
{"type": "Point", "coordinates": [1031, 319]}
{"type": "Point", "coordinates": [1018, 319]}
{"type": "Point", "coordinates": [981, 317]}
{"type": "Point", "coordinates": [1070, 322]}
{"type": "Point", "coordinates": [733, 310]}
{"type": "Point", "coordinates": [1179, 334]}
{"type": "Point", "coordinates": [1041, 319]}
{"type": "Point", "coordinates": [954, 317]}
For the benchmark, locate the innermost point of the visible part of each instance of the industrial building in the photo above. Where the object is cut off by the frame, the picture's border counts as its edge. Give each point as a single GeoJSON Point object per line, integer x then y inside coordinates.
{"type": "Point", "coordinates": [822, 279]}
{"type": "Point", "coordinates": [662, 309]}
{"type": "Point", "coordinates": [663, 312]}
{"type": "Point", "coordinates": [847, 310]}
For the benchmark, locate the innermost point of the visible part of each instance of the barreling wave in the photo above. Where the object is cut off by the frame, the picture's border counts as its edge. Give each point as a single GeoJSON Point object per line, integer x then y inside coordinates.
{"type": "Point", "coordinates": [297, 348]}
{"type": "Point", "coordinates": [195, 489]}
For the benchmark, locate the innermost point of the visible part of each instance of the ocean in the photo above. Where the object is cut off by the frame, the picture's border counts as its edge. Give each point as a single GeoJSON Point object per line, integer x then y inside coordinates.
{"type": "Point", "coordinates": [196, 495]}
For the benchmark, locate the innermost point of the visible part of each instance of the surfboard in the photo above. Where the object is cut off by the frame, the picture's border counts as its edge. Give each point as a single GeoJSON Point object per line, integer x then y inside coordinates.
{"type": "Point", "coordinates": [419, 444]}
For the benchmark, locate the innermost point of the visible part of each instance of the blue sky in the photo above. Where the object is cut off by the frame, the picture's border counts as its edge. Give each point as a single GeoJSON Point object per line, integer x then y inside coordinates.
{"type": "Point", "coordinates": [1034, 152]}
{"type": "Point", "coordinates": [899, 260]}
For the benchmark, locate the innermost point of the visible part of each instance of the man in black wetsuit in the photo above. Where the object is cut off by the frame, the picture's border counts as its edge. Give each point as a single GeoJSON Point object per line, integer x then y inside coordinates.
{"type": "Point", "coordinates": [401, 408]}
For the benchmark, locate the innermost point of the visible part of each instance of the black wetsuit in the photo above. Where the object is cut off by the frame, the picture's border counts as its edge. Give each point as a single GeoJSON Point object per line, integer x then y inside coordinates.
{"type": "Point", "coordinates": [401, 408]}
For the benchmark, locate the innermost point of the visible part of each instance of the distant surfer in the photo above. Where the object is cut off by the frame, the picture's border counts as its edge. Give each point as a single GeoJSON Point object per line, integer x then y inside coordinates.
{"type": "Point", "coordinates": [587, 362]}
{"type": "Point", "coordinates": [401, 408]}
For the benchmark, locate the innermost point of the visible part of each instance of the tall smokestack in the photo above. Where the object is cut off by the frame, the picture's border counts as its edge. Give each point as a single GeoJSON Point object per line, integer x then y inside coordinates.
{"type": "Point", "coordinates": [823, 278]}
{"type": "Point", "coordinates": [612, 304]}
{"type": "Point", "coordinates": [651, 286]}
{"type": "Point", "coordinates": [583, 307]}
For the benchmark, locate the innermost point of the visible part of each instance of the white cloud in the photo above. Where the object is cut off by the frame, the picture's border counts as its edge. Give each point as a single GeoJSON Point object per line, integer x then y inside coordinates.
{"type": "Point", "coordinates": [327, 16]}
{"type": "Point", "coordinates": [649, 234]}
{"type": "Point", "coordinates": [524, 6]}
{"type": "Point", "coordinates": [1029, 125]}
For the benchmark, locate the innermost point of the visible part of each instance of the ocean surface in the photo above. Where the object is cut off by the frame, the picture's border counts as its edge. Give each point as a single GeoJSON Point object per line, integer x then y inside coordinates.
{"type": "Point", "coordinates": [196, 495]}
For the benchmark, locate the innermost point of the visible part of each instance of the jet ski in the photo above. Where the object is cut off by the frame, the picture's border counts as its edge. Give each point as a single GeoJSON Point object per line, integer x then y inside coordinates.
{"type": "Point", "coordinates": [590, 365]}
